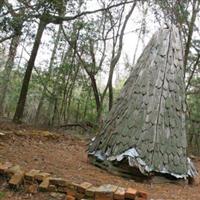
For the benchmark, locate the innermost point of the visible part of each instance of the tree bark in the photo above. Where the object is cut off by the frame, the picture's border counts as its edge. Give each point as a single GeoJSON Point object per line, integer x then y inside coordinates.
{"type": "Point", "coordinates": [55, 90]}
{"type": "Point", "coordinates": [116, 58]}
{"type": "Point", "coordinates": [195, 9]}
{"type": "Point", "coordinates": [24, 90]}
{"type": "Point", "coordinates": [40, 105]}
{"type": "Point", "coordinates": [70, 94]}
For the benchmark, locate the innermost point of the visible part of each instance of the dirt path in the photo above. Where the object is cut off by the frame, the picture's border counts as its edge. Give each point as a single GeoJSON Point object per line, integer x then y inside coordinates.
{"type": "Point", "coordinates": [65, 155]}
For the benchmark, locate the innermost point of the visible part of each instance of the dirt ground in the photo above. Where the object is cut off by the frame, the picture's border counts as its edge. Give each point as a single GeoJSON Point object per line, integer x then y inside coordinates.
{"type": "Point", "coordinates": [64, 154]}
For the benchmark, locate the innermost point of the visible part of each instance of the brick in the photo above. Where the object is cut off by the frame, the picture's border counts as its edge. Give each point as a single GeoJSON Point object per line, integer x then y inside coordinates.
{"type": "Point", "coordinates": [32, 189]}
{"type": "Point", "coordinates": [4, 167]}
{"type": "Point", "coordinates": [62, 189]}
{"type": "Point", "coordinates": [52, 188]}
{"type": "Point", "coordinates": [79, 196]}
{"type": "Point", "coordinates": [130, 193]}
{"type": "Point", "coordinates": [72, 185]}
{"type": "Point", "coordinates": [42, 175]}
{"type": "Point", "coordinates": [17, 179]}
{"type": "Point", "coordinates": [90, 192]}
{"type": "Point", "coordinates": [69, 197]}
{"type": "Point", "coordinates": [71, 192]}
{"type": "Point", "coordinates": [57, 195]}
{"type": "Point", "coordinates": [103, 196]}
{"type": "Point", "coordinates": [58, 181]}
{"type": "Point", "coordinates": [31, 174]}
{"type": "Point", "coordinates": [105, 192]}
{"type": "Point", "coordinates": [44, 186]}
{"type": "Point", "coordinates": [71, 188]}
{"type": "Point", "coordinates": [13, 170]}
{"type": "Point", "coordinates": [142, 194]}
{"type": "Point", "coordinates": [139, 198]}
{"type": "Point", "coordinates": [120, 193]}
{"type": "Point", "coordinates": [83, 187]}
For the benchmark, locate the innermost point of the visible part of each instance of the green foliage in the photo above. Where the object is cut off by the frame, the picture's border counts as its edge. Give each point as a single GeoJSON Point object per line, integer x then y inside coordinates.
{"type": "Point", "coordinates": [193, 120]}
{"type": "Point", "coordinates": [194, 100]}
{"type": "Point", "coordinates": [67, 91]}
{"type": "Point", "coordinates": [51, 6]}
{"type": "Point", "coordinates": [13, 92]}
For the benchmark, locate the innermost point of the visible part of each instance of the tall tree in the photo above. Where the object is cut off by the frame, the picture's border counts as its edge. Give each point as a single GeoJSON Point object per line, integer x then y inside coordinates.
{"type": "Point", "coordinates": [16, 26]}
{"type": "Point", "coordinates": [7, 71]}
{"type": "Point", "coordinates": [116, 53]}
{"type": "Point", "coordinates": [47, 17]}
{"type": "Point", "coordinates": [24, 90]}
{"type": "Point", "coordinates": [48, 77]}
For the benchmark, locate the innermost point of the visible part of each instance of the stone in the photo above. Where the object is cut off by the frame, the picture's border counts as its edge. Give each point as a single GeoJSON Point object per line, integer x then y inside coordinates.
{"type": "Point", "coordinates": [4, 167]}
{"type": "Point", "coordinates": [120, 193]}
{"type": "Point", "coordinates": [58, 181]}
{"type": "Point", "coordinates": [17, 179]}
{"type": "Point", "coordinates": [90, 192]}
{"type": "Point", "coordinates": [44, 186]}
{"type": "Point", "coordinates": [105, 192]}
{"type": "Point", "coordinates": [31, 174]}
{"type": "Point", "coordinates": [130, 193]}
{"type": "Point", "coordinates": [42, 175]}
{"type": "Point", "coordinates": [83, 187]}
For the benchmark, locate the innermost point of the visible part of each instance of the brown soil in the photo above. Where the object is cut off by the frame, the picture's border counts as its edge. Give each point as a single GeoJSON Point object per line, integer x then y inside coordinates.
{"type": "Point", "coordinates": [64, 155]}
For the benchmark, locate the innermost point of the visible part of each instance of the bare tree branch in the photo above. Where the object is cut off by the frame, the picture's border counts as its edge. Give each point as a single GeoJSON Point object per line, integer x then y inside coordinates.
{"type": "Point", "coordinates": [55, 19]}
{"type": "Point", "coordinates": [7, 38]}
{"type": "Point", "coordinates": [193, 71]}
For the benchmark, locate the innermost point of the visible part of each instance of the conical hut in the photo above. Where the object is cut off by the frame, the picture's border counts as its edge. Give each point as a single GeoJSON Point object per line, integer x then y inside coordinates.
{"type": "Point", "coordinates": [144, 133]}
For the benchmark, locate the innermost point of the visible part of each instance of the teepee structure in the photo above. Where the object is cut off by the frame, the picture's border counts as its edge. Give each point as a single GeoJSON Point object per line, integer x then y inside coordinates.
{"type": "Point", "coordinates": [145, 130]}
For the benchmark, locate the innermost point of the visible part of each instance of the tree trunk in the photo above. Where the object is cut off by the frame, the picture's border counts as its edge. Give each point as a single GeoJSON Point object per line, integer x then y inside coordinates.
{"type": "Point", "coordinates": [86, 104]}
{"type": "Point", "coordinates": [70, 94]}
{"type": "Point", "coordinates": [55, 111]}
{"type": "Point", "coordinates": [78, 111]}
{"type": "Point", "coordinates": [7, 71]}
{"type": "Point", "coordinates": [55, 89]}
{"type": "Point", "coordinates": [96, 93]}
{"type": "Point", "coordinates": [190, 33]}
{"type": "Point", "coordinates": [1, 4]}
{"type": "Point", "coordinates": [24, 90]}
{"type": "Point", "coordinates": [40, 105]}
{"type": "Point", "coordinates": [116, 58]}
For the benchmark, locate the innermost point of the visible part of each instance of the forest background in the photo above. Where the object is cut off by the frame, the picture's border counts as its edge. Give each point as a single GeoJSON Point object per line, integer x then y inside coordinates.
{"type": "Point", "coordinates": [63, 62]}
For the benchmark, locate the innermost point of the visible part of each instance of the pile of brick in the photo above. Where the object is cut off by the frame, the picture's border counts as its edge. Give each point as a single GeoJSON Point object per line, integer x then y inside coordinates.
{"type": "Point", "coordinates": [35, 180]}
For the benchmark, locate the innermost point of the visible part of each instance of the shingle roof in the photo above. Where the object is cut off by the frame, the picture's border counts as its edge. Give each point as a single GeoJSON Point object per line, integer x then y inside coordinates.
{"type": "Point", "coordinates": [147, 121]}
